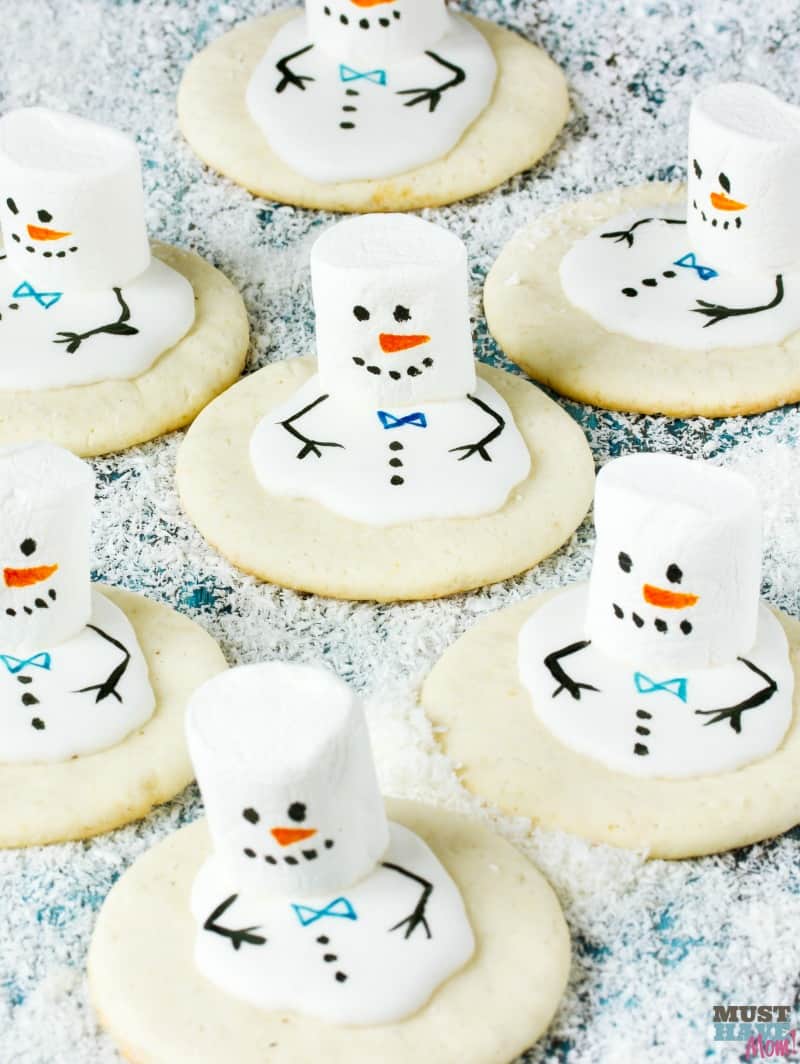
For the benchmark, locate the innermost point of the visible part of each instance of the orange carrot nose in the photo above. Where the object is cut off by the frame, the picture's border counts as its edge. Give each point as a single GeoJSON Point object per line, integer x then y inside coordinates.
{"type": "Point", "coordinates": [371, 3]}
{"type": "Point", "coordinates": [28, 577]}
{"type": "Point", "coordinates": [725, 203]}
{"type": "Point", "coordinates": [36, 232]}
{"type": "Point", "coordinates": [668, 600]}
{"type": "Point", "coordinates": [288, 836]}
{"type": "Point", "coordinates": [391, 343]}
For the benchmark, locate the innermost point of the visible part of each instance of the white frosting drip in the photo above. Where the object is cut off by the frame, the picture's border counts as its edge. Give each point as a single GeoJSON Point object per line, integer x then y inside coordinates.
{"type": "Point", "coordinates": [33, 323]}
{"type": "Point", "coordinates": [395, 475]}
{"type": "Point", "coordinates": [630, 282]}
{"type": "Point", "coordinates": [45, 713]}
{"type": "Point", "coordinates": [351, 123]}
{"type": "Point", "coordinates": [363, 963]}
{"type": "Point", "coordinates": [636, 722]}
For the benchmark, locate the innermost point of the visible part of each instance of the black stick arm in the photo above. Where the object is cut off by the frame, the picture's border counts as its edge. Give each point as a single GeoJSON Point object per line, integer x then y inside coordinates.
{"type": "Point", "coordinates": [288, 76]}
{"type": "Point", "coordinates": [120, 327]}
{"type": "Point", "coordinates": [108, 687]}
{"type": "Point", "coordinates": [433, 96]}
{"type": "Point", "coordinates": [480, 447]}
{"type": "Point", "coordinates": [309, 446]}
{"type": "Point", "coordinates": [236, 937]}
{"type": "Point", "coordinates": [733, 714]}
{"type": "Point", "coordinates": [627, 235]}
{"type": "Point", "coordinates": [716, 312]}
{"type": "Point", "coordinates": [417, 917]}
{"type": "Point", "coordinates": [561, 676]}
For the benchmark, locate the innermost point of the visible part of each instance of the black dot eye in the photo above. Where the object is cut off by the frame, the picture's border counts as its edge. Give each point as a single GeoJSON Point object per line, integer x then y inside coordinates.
{"type": "Point", "coordinates": [674, 574]}
{"type": "Point", "coordinates": [44, 216]}
{"type": "Point", "coordinates": [402, 313]}
{"type": "Point", "coordinates": [697, 169]}
{"type": "Point", "coordinates": [28, 546]}
{"type": "Point", "coordinates": [725, 182]}
{"type": "Point", "coordinates": [12, 206]}
{"type": "Point", "coordinates": [251, 815]}
{"type": "Point", "coordinates": [297, 812]}
{"type": "Point", "coordinates": [625, 562]}
{"type": "Point", "coordinates": [361, 313]}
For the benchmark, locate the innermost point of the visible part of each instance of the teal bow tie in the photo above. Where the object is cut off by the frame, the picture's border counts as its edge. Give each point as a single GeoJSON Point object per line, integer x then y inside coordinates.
{"type": "Point", "coordinates": [678, 686]}
{"type": "Point", "coordinates": [17, 665]}
{"type": "Point", "coordinates": [377, 77]}
{"type": "Point", "coordinates": [341, 908]}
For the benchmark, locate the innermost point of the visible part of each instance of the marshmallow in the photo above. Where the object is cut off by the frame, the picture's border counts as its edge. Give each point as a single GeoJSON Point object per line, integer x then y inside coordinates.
{"type": "Point", "coordinates": [46, 496]}
{"type": "Point", "coordinates": [283, 761]}
{"type": "Point", "coordinates": [72, 204]}
{"type": "Point", "coordinates": [677, 566]}
{"type": "Point", "coordinates": [392, 306]}
{"type": "Point", "coordinates": [376, 31]}
{"type": "Point", "coordinates": [744, 157]}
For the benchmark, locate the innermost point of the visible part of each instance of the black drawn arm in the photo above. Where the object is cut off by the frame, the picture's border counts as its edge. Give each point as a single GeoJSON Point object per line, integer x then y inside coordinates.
{"type": "Point", "coordinates": [556, 669]}
{"type": "Point", "coordinates": [733, 714]}
{"type": "Point", "coordinates": [108, 686]}
{"type": "Point", "coordinates": [417, 917]}
{"type": "Point", "coordinates": [309, 446]}
{"type": "Point", "coordinates": [470, 449]}
{"type": "Point", "coordinates": [288, 76]}
{"type": "Point", "coordinates": [119, 327]}
{"type": "Point", "coordinates": [716, 313]}
{"type": "Point", "coordinates": [237, 937]}
{"type": "Point", "coordinates": [433, 96]}
{"type": "Point", "coordinates": [625, 236]}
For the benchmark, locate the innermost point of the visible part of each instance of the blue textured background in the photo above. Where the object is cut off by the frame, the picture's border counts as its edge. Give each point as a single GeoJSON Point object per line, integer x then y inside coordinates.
{"type": "Point", "coordinates": [655, 945]}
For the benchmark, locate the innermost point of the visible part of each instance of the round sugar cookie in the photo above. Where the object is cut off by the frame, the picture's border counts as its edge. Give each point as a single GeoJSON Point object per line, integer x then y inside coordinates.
{"type": "Point", "coordinates": [95, 419]}
{"type": "Point", "coordinates": [62, 801]}
{"type": "Point", "coordinates": [528, 108]}
{"type": "Point", "coordinates": [562, 346]}
{"type": "Point", "coordinates": [158, 1008]}
{"type": "Point", "coordinates": [505, 754]}
{"type": "Point", "coordinates": [298, 544]}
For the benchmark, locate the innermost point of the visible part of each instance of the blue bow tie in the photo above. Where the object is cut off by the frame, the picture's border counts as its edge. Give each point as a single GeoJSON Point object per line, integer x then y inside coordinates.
{"type": "Point", "coordinates": [44, 299]}
{"type": "Point", "coordinates": [679, 686]}
{"type": "Point", "coordinates": [377, 77]}
{"type": "Point", "coordinates": [15, 665]}
{"type": "Point", "coordinates": [391, 421]}
{"type": "Point", "coordinates": [689, 262]}
{"type": "Point", "coordinates": [341, 908]}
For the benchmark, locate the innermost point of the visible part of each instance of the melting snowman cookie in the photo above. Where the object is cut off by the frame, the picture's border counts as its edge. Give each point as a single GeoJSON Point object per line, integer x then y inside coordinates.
{"type": "Point", "coordinates": [724, 271]}
{"type": "Point", "coordinates": [364, 89]}
{"type": "Point", "coordinates": [668, 664]}
{"type": "Point", "coordinates": [72, 677]}
{"type": "Point", "coordinates": [81, 298]}
{"type": "Point", "coordinates": [312, 902]}
{"type": "Point", "coordinates": [395, 427]}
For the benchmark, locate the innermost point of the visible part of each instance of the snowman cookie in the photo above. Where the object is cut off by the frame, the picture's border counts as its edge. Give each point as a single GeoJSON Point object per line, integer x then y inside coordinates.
{"type": "Point", "coordinates": [364, 105]}
{"type": "Point", "coordinates": [390, 469]}
{"type": "Point", "coordinates": [106, 341]}
{"type": "Point", "coordinates": [669, 300]}
{"type": "Point", "coordinates": [665, 688]}
{"type": "Point", "coordinates": [312, 913]}
{"type": "Point", "coordinates": [92, 682]}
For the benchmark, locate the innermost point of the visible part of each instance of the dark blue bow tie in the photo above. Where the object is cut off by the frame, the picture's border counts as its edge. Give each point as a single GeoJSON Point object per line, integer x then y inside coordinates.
{"type": "Point", "coordinates": [391, 421]}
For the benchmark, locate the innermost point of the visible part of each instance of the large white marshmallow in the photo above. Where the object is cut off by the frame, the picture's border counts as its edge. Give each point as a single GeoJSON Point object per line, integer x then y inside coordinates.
{"type": "Point", "coordinates": [677, 566]}
{"type": "Point", "coordinates": [283, 760]}
{"type": "Point", "coordinates": [744, 158]}
{"type": "Point", "coordinates": [392, 306]}
{"type": "Point", "coordinates": [72, 204]}
{"type": "Point", "coordinates": [377, 31]}
{"type": "Point", "coordinates": [46, 497]}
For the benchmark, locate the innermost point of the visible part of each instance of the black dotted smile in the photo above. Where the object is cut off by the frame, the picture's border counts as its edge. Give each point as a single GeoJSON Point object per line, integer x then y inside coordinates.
{"type": "Point", "coordinates": [394, 374]}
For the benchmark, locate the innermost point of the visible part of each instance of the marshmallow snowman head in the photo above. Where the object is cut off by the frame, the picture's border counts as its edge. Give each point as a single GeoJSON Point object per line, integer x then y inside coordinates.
{"type": "Point", "coordinates": [283, 760]}
{"type": "Point", "coordinates": [46, 497]}
{"type": "Point", "coordinates": [376, 31]}
{"type": "Point", "coordinates": [71, 202]}
{"type": "Point", "coordinates": [392, 304]}
{"type": "Point", "coordinates": [744, 158]}
{"type": "Point", "coordinates": [677, 567]}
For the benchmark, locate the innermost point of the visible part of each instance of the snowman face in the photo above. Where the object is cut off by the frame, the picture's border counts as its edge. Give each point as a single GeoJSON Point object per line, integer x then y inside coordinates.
{"type": "Point", "coordinates": [46, 496]}
{"type": "Point", "coordinates": [36, 230]}
{"type": "Point", "coordinates": [392, 307]}
{"type": "Point", "coordinates": [376, 31]}
{"type": "Point", "coordinates": [288, 838]}
{"type": "Point", "coordinates": [744, 154]}
{"type": "Point", "coordinates": [676, 572]}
